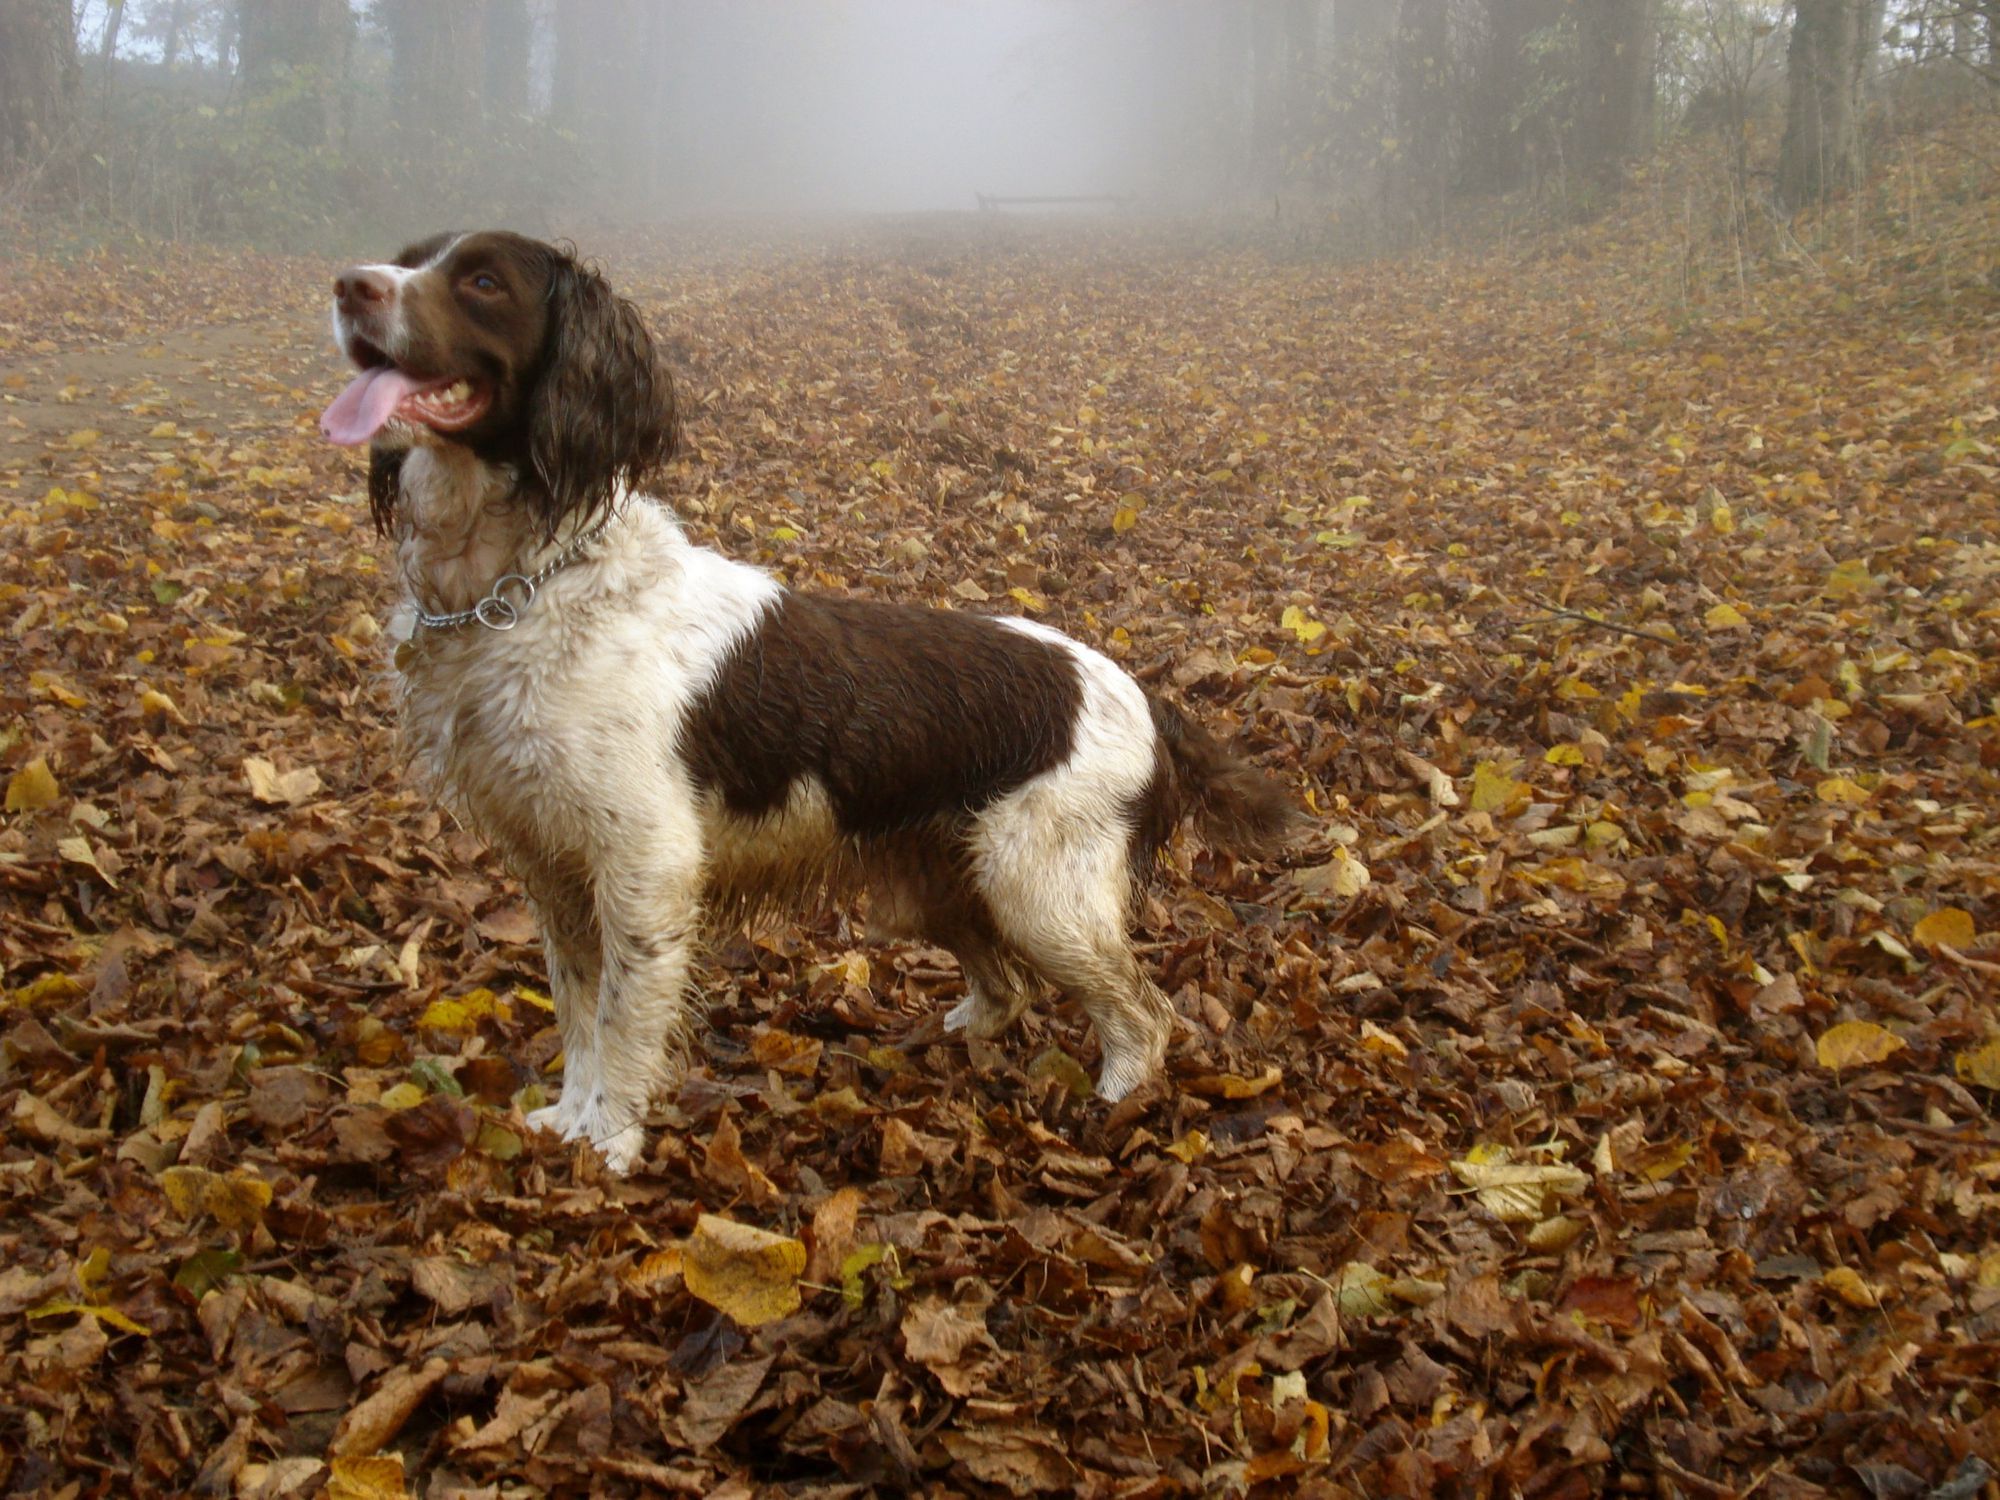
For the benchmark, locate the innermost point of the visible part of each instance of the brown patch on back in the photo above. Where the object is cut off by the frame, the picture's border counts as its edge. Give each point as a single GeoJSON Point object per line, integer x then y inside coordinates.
{"type": "Point", "coordinates": [905, 715]}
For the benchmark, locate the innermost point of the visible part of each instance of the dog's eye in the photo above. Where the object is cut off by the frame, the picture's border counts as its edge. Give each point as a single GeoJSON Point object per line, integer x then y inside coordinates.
{"type": "Point", "coordinates": [486, 281]}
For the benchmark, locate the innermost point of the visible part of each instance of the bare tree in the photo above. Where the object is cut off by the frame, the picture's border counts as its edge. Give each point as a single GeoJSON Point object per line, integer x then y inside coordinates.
{"type": "Point", "coordinates": [1508, 115]}
{"type": "Point", "coordinates": [1619, 49]}
{"type": "Point", "coordinates": [38, 81]}
{"type": "Point", "coordinates": [437, 62]}
{"type": "Point", "coordinates": [290, 53]}
{"type": "Point", "coordinates": [509, 38]}
{"type": "Point", "coordinates": [1423, 111]}
{"type": "Point", "coordinates": [1827, 63]}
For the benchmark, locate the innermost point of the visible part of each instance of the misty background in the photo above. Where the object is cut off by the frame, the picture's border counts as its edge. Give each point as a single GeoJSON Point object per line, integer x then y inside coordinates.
{"type": "Point", "coordinates": [308, 124]}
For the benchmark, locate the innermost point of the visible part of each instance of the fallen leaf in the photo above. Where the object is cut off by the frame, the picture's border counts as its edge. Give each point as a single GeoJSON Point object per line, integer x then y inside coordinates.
{"type": "Point", "coordinates": [749, 1273]}
{"type": "Point", "coordinates": [1854, 1044]}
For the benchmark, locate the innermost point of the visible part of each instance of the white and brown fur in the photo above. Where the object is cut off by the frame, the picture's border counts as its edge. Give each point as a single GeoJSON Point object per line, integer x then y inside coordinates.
{"type": "Point", "coordinates": [668, 735]}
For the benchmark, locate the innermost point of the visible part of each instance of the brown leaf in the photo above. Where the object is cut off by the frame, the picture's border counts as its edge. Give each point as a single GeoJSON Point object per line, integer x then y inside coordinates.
{"type": "Point", "coordinates": [718, 1401]}
{"type": "Point", "coordinates": [831, 1234]}
{"type": "Point", "coordinates": [377, 1419]}
{"type": "Point", "coordinates": [431, 1134]}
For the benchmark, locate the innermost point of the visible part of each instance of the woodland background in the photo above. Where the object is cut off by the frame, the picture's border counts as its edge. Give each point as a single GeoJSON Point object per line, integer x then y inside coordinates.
{"type": "Point", "coordinates": [1557, 438]}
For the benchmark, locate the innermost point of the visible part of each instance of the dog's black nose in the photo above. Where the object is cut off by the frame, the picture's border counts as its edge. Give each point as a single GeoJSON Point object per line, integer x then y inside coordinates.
{"type": "Point", "coordinates": [362, 289]}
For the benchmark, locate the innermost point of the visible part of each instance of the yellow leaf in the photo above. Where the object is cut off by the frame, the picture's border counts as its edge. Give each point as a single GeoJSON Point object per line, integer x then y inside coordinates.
{"type": "Point", "coordinates": [1516, 1192]}
{"type": "Point", "coordinates": [784, 534]}
{"type": "Point", "coordinates": [1190, 1147]}
{"type": "Point", "coordinates": [1849, 579]}
{"type": "Point", "coordinates": [32, 787]}
{"type": "Point", "coordinates": [1845, 1283]}
{"type": "Point", "coordinates": [268, 784]}
{"type": "Point", "coordinates": [1981, 1065]}
{"type": "Point", "coordinates": [460, 1015]}
{"type": "Point", "coordinates": [534, 997]}
{"type": "Point", "coordinates": [1375, 1039]}
{"type": "Point", "coordinates": [78, 851]}
{"type": "Point", "coordinates": [405, 1095]}
{"type": "Point", "coordinates": [1854, 1044]}
{"type": "Point", "coordinates": [1839, 789]}
{"type": "Point", "coordinates": [1124, 518]}
{"type": "Point", "coordinates": [1341, 878]}
{"type": "Point", "coordinates": [1726, 617]}
{"type": "Point", "coordinates": [51, 685]}
{"type": "Point", "coordinates": [1722, 518]}
{"type": "Point", "coordinates": [1565, 754]}
{"type": "Point", "coordinates": [236, 1200]}
{"type": "Point", "coordinates": [748, 1273]}
{"type": "Point", "coordinates": [152, 702]}
{"type": "Point", "coordinates": [164, 430]}
{"type": "Point", "coordinates": [83, 437]}
{"type": "Point", "coordinates": [48, 988]}
{"type": "Point", "coordinates": [1235, 1085]}
{"type": "Point", "coordinates": [1947, 927]}
{"type": "Point", "coordinates": [1557, 1234]}
{"type": "Point", "coordinates": [377, 1477]}
{"type": "Point", "coordinates": [1494, 790]}
{"type": "Point", "coordinates": [1033, 603]}
{"type": "Point", "coordinates": [652, 1270]}
{"type": "Point", "coordinates": [98, 1310]}
{"type": "Point", "coordinates": [1301, 624]}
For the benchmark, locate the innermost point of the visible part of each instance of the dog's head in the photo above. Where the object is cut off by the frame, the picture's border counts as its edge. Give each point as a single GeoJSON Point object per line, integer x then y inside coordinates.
{"type": "Point", "coordinates": [508, 347]}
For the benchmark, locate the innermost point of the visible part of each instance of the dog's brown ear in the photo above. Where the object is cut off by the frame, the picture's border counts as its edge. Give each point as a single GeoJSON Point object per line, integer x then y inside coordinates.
{"type": "Point", "coordinates": [385, 479]}
{"type": "Point", "coordinates": [602, 415]}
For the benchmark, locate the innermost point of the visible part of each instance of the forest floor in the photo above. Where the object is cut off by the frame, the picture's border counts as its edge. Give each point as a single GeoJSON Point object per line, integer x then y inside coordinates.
{"type": "Point", "coordinates": [1601, 1099]}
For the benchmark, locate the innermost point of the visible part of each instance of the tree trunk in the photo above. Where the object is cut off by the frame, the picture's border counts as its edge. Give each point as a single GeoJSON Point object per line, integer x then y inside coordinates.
{"type": "Point", "coordinates": [1267, 103]}
{"type": "Point", "coordinates": [1301, 77]}
{"type": "Point", "coordinates": [1504, 123]}
{"type": "Point", "coordinates": [38, 81]}
{"type": "Point", "coordinates": [1423, 111]}
{"type": "Point", "coordinates": [509, 39]}
{"type": "Point", "coordinates": [170, 46]}
{"type": "Point", "coordinates": [570, 100]}
{"type": "Point", "coordinates": [1821, 153]}
{"type": "Point", "coordinates": [437, 63]}
{"type": "Point", "coordinates": [114, 22]}
{"type": "Point", "coordinates": [1615, 112]}
{"type": "Point", "coordinates": [290, 57]}
{"type": "Point", "coordinates": [1360, 47]}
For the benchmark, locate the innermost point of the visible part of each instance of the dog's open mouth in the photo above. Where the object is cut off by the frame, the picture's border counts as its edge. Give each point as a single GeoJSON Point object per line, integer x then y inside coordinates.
{"type": "Point", "coordinates": [382, 393]}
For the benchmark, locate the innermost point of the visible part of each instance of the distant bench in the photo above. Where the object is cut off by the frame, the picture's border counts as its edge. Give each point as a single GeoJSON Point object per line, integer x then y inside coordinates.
{"type": "Point", "coordinates": [989, 203]}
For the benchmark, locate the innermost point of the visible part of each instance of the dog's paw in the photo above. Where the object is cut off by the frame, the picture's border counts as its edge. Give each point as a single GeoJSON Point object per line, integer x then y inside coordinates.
{"type": "Point", "coordinates": [621, 1151]}
{"type": "Point", "coordinates": [550, 1118]}
{"type": "Point", "coordinates": [981, 1018]}
{"type": "Point", "coordinates": [1121, 1075]}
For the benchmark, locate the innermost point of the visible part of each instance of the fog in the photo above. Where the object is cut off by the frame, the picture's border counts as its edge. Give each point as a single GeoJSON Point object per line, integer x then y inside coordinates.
{"type": "Point", "coordinates": [310, 122]}
{"type": "Point", "coordinates": [898, 105]}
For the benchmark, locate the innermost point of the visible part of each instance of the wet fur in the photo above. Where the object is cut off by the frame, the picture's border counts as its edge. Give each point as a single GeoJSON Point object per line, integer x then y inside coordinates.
{"type": "Point", "coordinates": [669, 739]}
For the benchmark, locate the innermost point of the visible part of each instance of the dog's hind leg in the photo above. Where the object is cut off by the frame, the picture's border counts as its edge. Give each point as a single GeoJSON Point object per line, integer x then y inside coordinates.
{"type": "Point", "coordinates": [999, 988]}
{"type": "Point", "coordinates": [1063, 910]}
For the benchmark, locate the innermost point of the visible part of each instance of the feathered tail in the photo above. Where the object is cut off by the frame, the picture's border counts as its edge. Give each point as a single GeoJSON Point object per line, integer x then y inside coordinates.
{"type": "Point", "coordinates": [1233, 805]}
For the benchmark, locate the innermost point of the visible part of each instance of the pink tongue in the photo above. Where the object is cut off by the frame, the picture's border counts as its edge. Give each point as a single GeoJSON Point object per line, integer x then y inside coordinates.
{"type": "Point", "coordinates": [370, 399]}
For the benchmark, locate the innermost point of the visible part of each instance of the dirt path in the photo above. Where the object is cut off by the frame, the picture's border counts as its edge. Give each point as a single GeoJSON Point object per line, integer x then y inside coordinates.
{"type": "Point", "coordinates": [206, 380]}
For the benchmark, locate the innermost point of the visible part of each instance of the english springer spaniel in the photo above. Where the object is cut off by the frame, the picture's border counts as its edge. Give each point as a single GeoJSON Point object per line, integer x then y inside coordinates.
{"type": "Point", "coordinates": [653, 735]}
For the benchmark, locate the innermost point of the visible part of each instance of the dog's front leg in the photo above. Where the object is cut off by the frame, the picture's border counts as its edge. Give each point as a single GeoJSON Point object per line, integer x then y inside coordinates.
{"type": "Point", "coordinates": [571, 948]}
{"type": "Point", "coordinates": [648, 906]}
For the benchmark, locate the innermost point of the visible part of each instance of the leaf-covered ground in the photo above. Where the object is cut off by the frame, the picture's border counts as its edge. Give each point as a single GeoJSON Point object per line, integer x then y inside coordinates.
{"type": "Point", "coordinates": [1602, 1100]}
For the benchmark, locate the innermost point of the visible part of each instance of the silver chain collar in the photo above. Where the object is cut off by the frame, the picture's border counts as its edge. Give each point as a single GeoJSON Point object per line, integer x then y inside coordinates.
{"type": "Point", "coordinates": [511, 593]}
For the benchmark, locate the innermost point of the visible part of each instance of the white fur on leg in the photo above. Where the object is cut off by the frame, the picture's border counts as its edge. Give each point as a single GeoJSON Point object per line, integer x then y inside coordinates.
{"type": "Point", "coordinates": [1052, 859]}
{"type": "Point", "coordinates": [571, 948]}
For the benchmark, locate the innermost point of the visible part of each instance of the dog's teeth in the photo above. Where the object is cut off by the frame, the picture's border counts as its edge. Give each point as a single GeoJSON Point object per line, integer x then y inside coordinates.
{"type": "Point", "coordinates": [458, 390]}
